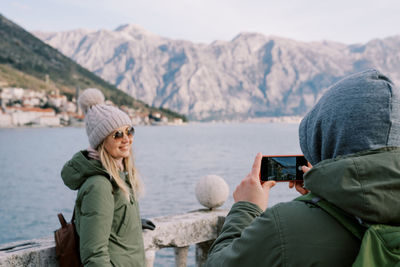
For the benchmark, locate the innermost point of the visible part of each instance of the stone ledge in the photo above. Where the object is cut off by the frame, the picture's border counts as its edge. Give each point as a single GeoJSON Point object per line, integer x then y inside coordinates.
{"type": "Point", "coordinates": [184, 230]}
{"type": "Point", "coordinates": [180, 230]}
{"type": "Point", "coordinates": [30, 253]}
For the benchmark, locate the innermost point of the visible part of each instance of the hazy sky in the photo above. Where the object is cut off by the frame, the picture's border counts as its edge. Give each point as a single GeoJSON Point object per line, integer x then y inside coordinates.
{"type": "Point", "coordinates": [344, 21]}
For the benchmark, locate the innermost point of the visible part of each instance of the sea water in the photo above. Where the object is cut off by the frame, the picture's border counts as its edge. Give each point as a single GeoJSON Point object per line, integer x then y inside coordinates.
{"type": "Point", "coordinates": [170, 160]}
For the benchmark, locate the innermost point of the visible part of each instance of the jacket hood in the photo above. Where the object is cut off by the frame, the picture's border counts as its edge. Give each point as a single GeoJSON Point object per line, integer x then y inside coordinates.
{"type": "Point", "coordinates": [360, 112]}
{"type": "Point", "coordinates": [79, 168]}
{"type": "Point", "coordinates": [366, 184]}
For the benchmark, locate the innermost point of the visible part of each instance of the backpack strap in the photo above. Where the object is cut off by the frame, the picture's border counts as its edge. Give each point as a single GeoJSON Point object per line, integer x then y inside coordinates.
{"type": "Point", "coordinates": [352, 224]}
{"type": "Point", "coordinates": [62, 220]}
{"type": "Point", "coordinates": [73, 215]}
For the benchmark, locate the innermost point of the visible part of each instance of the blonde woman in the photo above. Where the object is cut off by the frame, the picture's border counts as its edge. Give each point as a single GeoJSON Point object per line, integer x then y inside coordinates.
{"type": "Point", "coordinates": [106, 209]}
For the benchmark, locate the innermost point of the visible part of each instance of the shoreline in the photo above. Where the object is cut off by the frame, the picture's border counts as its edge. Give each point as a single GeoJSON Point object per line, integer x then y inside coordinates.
{"type": "Point", "coordinates": [284, 119]}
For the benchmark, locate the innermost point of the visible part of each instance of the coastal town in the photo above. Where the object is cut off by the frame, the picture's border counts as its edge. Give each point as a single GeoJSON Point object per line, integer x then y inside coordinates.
{"type": "Point", "coordinates": [27, 107]}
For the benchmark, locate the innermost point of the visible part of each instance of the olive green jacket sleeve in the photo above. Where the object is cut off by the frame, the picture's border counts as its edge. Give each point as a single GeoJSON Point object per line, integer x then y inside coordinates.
{"type": "Point", "coordinates": [288, 234]}
{"type": "Point", "coordinates": [240, 242]}
{"type": "Point", "coordinates": [96, 215]}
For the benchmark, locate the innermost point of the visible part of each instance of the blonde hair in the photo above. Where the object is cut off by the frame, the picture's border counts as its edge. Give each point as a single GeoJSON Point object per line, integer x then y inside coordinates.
{"type": "Point", "coordinates": [111, 166]}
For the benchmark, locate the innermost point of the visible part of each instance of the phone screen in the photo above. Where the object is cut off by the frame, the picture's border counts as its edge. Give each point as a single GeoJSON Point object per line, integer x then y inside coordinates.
{"type": "Point", "coordinates": [282, 168]}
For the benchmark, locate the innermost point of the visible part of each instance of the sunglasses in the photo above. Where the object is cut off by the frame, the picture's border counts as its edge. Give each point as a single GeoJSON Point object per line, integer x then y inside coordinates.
{"type": "Point", "coordinates": [130, 131]}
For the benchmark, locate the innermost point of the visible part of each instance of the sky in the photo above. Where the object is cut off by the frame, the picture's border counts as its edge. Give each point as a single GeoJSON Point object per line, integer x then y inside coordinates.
{"type": "Point", "coordinates": [204, 21]}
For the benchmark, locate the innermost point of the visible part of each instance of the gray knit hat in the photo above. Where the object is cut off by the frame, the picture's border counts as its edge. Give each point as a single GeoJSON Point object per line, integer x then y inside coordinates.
{"type": "Point", "coordinates": [100, 119]}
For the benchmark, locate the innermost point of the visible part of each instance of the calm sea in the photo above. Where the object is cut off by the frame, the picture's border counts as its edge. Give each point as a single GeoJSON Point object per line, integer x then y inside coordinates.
{"type": "Point", "coordinates": [170, 159]}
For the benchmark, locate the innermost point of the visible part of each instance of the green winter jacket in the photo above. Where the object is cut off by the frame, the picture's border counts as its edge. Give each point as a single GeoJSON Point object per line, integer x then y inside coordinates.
{"type": "Point", "coordinates": [108, 225]}
{"type": "Point", "coordinates": [296, 233]}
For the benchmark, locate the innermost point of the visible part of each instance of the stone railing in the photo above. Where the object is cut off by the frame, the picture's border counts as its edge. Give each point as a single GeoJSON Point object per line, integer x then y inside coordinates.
{"type": "Point", "coordinates": [199, 228]}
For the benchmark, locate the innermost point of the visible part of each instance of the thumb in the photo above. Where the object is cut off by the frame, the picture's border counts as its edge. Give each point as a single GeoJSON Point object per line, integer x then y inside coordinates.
{"type": "Point", "coordinates": [305, 169]}
{"type": "Point", "coordinates": [268, 185]}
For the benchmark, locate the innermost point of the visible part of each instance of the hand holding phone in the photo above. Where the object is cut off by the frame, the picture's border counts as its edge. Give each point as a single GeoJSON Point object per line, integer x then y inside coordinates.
{"type": "Point", "coordinates": [251, 190]}
{"type": "Point", "coordinates": [299, 185]}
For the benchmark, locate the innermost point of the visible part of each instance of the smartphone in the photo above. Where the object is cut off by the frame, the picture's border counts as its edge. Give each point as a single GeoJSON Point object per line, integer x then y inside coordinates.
{"type": "Point", "coordinates": [282, 168]}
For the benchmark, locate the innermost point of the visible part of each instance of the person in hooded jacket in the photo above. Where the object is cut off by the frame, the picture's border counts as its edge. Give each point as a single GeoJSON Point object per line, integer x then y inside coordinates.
{"type": "Point", "coordinates": [106, 209]}
{"type": "Point", "coordinates": [352, 139]}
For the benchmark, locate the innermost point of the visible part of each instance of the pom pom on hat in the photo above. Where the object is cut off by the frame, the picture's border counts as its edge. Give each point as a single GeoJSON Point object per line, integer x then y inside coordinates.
{"type": "Point", "coordinates": [89, 98]}
{"type": "Point", "coordinates": [100, 119]}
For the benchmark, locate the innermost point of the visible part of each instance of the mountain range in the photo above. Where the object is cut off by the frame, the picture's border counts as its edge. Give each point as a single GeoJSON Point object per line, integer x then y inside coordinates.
{"type": "Point", "coordinates": [251, 76]}
{"type": "Point", "coordinates": [27, 62]}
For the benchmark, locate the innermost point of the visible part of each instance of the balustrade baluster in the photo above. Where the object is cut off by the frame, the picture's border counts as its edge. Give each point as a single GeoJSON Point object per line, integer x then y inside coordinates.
{"type": "Point", "coordinates": [181, 254]}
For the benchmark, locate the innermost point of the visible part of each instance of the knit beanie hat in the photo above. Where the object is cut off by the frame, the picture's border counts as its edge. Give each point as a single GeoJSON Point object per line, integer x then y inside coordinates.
{"type": "Point", "coordinates": [100, 119]}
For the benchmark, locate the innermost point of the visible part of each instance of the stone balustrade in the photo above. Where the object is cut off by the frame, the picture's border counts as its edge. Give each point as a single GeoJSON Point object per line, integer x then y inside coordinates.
{"type": "Point", "coordinates": [197, 228]}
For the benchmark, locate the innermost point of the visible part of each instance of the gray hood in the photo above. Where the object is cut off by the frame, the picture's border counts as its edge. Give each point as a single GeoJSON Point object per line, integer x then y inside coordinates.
{"type": "Point", "coordinates": [358, 113]}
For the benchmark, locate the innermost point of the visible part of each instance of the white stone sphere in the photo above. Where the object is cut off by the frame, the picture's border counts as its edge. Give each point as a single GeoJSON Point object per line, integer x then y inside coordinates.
{"type": "Point", "coordinates": [212, 191]}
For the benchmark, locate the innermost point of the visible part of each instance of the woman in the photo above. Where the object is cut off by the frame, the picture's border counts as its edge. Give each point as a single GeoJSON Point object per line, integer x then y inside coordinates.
{"type": "Point", "coordinates": [106, 209]}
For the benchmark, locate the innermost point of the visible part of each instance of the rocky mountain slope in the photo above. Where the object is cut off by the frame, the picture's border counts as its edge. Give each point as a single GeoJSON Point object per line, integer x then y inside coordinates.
{"type": "Point", "coordinates": [252, 75]}
{"type": "Point", "coordinates": [26, 61]}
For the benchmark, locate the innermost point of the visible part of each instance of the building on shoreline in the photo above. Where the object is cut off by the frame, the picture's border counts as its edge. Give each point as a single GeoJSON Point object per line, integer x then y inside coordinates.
{"type": "Point", "coordinates": [21, 116]}
{"type": "Point", "coordinates": [26, 107]}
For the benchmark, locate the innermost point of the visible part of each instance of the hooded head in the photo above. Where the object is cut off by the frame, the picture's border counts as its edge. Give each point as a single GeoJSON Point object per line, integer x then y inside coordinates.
{"type": "Point", "coordinates": [100, 119]}
{"type": "Point", "coordinates": [358, 113]}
